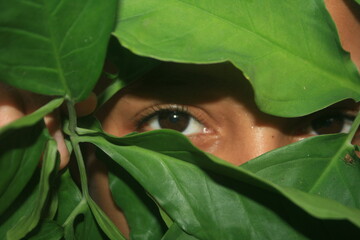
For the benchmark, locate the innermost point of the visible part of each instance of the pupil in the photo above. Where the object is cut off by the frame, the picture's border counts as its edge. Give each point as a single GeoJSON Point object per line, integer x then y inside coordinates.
{"type": "Point", "coordinates": [328, 124]}
{"type": "Point", "coordinates": [174, 120]}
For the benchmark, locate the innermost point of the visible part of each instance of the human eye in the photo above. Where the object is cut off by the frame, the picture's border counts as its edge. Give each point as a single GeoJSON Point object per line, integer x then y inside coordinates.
{"type": "Point", "coordinates": [171, 116]}
{"type": "Point", "coordinates": [329, 123]}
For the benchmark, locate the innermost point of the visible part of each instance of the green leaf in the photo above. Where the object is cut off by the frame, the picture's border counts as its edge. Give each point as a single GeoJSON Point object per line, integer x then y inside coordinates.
{"type": "Point", "coordinates": [21, 206]}
{"type": "Point", "coordinates": [46, 45]}
{"type": "Point", "coordinates": [29, 222]}
{"type": "Point", "coordinates": [141, 212]}
{"type": "Point", "coordinates": [20, 153]}
{"type": "Point", "coordinates": [290, 51]}
{"type": "Point", "coordinates": [48, 230]}
{"type": "Point", "coordinates": [330, 170]}
{"type": "Point", "coordinates": [358, 1]}
{"type": "Point", "coordinates": [73, 213]}
{"type": "Point", "coordinates": [104, 222]}
{"type": "Point", "coordinates": [209, 205]}
{"type": "Point", "coordinates": [69, 197]}
{"type": "Point", "coordinates": [130, 67]}
{"type": "Point", "coordinates": [34, 117]}
{"type": "Point", "coordinates": [176, 233]}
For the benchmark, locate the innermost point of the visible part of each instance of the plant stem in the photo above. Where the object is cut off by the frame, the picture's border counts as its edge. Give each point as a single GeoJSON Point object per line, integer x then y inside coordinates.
{"type": "Point", "coordinates": [354, 128]}
{"type": "Point", "coordinates": [80, 208]}
{"type": "Point", "coordinates": [76, 148]}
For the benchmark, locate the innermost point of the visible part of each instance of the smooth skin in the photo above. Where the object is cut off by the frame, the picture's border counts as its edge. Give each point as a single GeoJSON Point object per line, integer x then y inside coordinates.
{"type": "Point", "coordinates": [218, 118]}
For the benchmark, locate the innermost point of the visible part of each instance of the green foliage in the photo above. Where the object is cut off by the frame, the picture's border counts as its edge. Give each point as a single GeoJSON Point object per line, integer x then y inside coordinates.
{"type": "Point", "coordinates": [48, 42]}
{"type": "Point", "coordinates": [167, 188]}
{"type": "Point", "coordinates": [289, 56]}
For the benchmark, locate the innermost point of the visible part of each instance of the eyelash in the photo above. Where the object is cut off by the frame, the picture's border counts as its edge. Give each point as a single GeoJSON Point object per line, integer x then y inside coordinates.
{"type": "Point", "coordinates": [152, 111]}
{"type": "Point", "coordinates": [347, 117]}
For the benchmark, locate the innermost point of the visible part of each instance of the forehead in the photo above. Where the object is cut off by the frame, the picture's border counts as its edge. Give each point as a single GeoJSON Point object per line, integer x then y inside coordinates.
{"type": "Point", "coordinates": [192, 82]}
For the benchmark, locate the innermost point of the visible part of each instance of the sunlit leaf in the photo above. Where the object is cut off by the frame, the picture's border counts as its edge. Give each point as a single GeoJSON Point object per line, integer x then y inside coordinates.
{"type": "Point", "coordinates": [290, 50]}
{"type": "Point", "coordinates": [54, 47]}
{"type": "Point", "coordinates": [29, 222]}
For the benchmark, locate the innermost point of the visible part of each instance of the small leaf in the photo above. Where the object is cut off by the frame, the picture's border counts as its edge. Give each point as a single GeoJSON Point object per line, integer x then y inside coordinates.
{"type": "Point", "coordinates": [48, 230]}
{"type": "Point", "coordinates": [29, 222]}
{"type": "Point", "coordinates": [20, 153]}
{"type": "Point", "coordinates": [104, 222]}
{"type": "Point", "coordinates": [176, 233]}
{"type": "Point", "coordinates": [21, 206]}
{"type": "Point", "coordinates": [74, 213]}
{"type": "Point", "coordinates": [130, 67]}
{"type": "Point", "coordinates": [34, 117]}
{"type": "Point", "coordinates": [69, 196]}
{"type": "Point", "coordinates": [46, 45]}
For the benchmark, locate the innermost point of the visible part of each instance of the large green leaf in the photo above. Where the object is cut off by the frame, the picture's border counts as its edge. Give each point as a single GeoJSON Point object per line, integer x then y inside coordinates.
{"type": "Point", "coordinates": [163, 142]}
{"type": "Point", "coordinates": [20, 153]}
{"type": "Point", "coordinates": [332, 169]}
{"type": "Point", "coordinates": [54, 47]}
{"type": "Point", "coordinates": [289, 50]}
{"type": "Point", "coordinates": [212, 206]}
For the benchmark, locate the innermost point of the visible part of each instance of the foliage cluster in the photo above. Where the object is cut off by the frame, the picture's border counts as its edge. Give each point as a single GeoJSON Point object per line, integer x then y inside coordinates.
{"type": "Point", "coordinates": [289, 51]}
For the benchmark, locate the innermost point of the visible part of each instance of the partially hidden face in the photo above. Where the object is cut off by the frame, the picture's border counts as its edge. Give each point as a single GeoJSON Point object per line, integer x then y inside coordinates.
{"type": "Point", "coordinates": [214, 106]}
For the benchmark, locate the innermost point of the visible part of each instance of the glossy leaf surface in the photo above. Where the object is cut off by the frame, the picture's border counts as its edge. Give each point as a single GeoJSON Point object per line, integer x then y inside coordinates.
{"type": "Point", "coordinates": [210, 205]}
{"type": "Point", "coordinates": [290, 56]}
{"type": "Point", "coordinates": [332, 165]}
{"type": "Point", "coordinates": [46, 45]}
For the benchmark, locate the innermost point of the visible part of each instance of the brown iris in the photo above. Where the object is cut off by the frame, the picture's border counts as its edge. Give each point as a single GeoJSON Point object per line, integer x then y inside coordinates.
{"type": "Point", "coordinates": [328, 124]}
{"type": "Point", "coordinates": [175, 120]}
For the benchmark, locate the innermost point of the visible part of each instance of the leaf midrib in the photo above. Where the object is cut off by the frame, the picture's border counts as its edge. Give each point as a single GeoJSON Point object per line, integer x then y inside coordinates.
{"type": "Point", "coordinates": [59, 66]}
{"type": "Point", "coordinates": [275, 44]}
